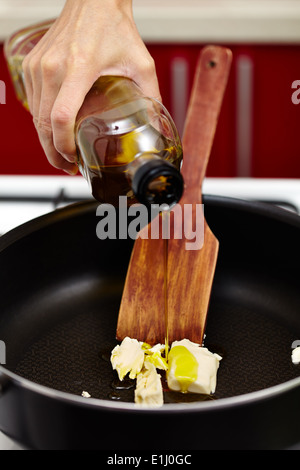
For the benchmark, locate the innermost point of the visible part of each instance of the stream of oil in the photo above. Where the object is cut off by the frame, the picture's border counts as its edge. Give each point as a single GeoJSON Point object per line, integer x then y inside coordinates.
{"type": "Point", "coordinates": [165, 222]}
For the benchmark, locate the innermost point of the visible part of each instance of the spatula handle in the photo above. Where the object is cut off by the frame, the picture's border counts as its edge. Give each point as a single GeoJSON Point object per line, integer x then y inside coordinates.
{"type": "Point", "coordinates": [210, 81]}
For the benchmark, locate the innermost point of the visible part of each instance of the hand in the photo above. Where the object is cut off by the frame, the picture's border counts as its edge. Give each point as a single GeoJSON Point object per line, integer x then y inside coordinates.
{"type": "Point", "coordinates": [89, 39]}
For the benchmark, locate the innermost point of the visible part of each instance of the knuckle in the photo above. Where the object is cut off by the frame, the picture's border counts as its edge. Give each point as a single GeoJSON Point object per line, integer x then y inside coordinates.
{"type": "Point", "coordinates": [56, 160]}
{"type": "Point", "coordinates": [152, 70]}
{"type": "Point", "coordinates": [31, 65]}
{"type": "Point", "coordinates": [63, 125]}
{"type": "Point", "coordinates": [49, 66]}
{"type": "Point", "coordinates": [43, 125]}
{"type": "Point", "coordinates": [146, 68]}
{"type": "Point", "coordinates": [25, 63]}
{"type": "Point", "coordinates": [61, 116]}
{"type": "Point", "coordinates": [149, 65]}
{"type": "Point", "coordinates": [151, 62]}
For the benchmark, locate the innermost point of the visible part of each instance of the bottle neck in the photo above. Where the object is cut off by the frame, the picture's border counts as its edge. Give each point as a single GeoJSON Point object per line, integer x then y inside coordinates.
{"type": "Point", "coordinates": [155, 181]}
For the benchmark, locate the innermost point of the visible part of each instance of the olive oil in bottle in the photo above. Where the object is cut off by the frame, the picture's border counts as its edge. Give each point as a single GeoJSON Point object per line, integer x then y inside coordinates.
{"type": "Point", "coordinates": [128, 145]}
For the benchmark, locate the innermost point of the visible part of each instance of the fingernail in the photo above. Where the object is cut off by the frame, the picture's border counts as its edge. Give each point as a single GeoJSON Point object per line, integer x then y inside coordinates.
{"type": "Point", "coordinates": [70, 158]}
{"type": "Point", "coordinates": [72, 172]}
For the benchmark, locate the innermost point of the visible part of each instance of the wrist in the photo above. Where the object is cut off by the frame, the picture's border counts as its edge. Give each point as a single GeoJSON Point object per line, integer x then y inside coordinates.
{"type": "Point", "coordinates": [104, 8]}
{"type": "Point", "coordinates": [120, 4]}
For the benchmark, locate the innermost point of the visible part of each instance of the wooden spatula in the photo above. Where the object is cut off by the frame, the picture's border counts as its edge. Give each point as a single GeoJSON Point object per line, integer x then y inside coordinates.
{"type": "Point", "coordinates": [191, 263]}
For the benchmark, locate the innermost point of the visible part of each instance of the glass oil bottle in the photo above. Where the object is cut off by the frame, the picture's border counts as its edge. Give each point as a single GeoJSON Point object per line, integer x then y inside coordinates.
{"type": "Point", "coordinates": [127, 143]}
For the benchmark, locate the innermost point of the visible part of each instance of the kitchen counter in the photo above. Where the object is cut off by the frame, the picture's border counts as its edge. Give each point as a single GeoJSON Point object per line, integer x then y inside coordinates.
{"type": "Point", "coordinates": [222, 21]}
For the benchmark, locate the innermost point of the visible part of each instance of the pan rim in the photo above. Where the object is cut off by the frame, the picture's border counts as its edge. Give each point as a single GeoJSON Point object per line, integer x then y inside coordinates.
{"type": "Point", "coordinates": [72, 210]}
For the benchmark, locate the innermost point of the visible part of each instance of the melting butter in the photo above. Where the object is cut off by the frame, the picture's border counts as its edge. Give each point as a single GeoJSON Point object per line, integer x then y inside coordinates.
{"type": "Point", "coordinates": [189, 368]}
{"type": "Point", "coordinates": [192, 368]}
{"type": "Point", "coordinates": [184, 367]}
{"type": "Point", "coordinates": [148, 390]}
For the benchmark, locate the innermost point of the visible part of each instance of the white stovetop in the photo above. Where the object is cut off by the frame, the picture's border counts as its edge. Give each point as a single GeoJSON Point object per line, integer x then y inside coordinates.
{"type": "Point", "coordinates": [203, 21]}
{"type": "Point", "coordinates": [14, 213]}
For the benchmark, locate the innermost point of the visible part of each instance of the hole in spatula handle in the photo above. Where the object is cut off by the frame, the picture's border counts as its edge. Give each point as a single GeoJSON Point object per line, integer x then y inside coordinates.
{"type": "Point", "coordinates": [211, 64]}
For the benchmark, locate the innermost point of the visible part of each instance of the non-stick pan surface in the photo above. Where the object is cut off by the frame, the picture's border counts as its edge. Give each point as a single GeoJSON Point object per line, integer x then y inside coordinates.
{"type": "Point", "coordinates": [60, 291]}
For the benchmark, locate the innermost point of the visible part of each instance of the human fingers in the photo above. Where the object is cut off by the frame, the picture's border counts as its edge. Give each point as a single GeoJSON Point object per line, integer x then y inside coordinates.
{"type": "Point", "coordinates": [32, 84]}
{"type": "Point", "coordinates": [44, 78]}
{"type": "Point", "coordinates": [54, 157]}
{"type": "Point", "coordinates": [44, 129]}
{"type": "Point", "coordinates": [52, 82]}
{"type": "Point", "coordinates": [32, 66]}
{"type": "Point", "coordinates": [64, 112]}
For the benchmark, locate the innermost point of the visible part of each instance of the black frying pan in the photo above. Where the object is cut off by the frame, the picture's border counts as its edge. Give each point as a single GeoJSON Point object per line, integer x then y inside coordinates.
{"type": "Point", "coordinates": [60, 292]}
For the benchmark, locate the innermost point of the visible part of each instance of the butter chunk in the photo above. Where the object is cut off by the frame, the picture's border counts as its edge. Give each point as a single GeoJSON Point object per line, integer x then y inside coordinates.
{"type": "Point", "coordinates": [296, 355]}
{"type": "Point", "coordinates": [154, 355]}
{"type": "Point", "coordinates": [128, 357]}
{"type": "Point", "coordinates": [148, 391]}
{"type": "Point", "coordinates": [192, 368]}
